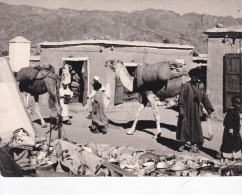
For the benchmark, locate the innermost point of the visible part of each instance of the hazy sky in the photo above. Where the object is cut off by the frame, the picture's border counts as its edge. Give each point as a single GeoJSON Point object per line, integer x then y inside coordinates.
{"type": "Point", "coordinates": [211, 7]}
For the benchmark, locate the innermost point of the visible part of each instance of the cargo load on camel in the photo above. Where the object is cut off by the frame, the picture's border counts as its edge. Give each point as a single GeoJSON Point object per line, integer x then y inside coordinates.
{"type": "Point", "coordinates": [168, 70]}
{"type": "Point", "coordinates": [28, 74]}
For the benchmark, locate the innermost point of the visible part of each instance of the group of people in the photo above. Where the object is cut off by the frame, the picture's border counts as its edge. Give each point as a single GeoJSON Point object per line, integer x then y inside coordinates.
{"type": "Point", "coordinates": [97, 97]}
{"type": "Point", "coordinates": [191, 102]}
{"type": "Point", "coordinates": [194, 106]}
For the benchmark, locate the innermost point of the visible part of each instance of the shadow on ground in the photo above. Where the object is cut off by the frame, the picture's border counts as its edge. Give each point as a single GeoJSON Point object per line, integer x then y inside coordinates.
{"type": "Point", "coordinates": [170, 143]}
{"type": "Point", "coordinates": [142, 125]}
{"type": "Point", "coordinates": [52, 120]}
{"type": "Point", "coordinates": [175, 108]}
{"type": "Point", "coordinates": [174, 145]}
{"type": "Point", "coordinates": [210, 152]}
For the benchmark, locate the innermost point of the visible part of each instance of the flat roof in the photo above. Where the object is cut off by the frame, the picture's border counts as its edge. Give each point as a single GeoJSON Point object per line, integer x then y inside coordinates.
{"type": "Point", "coordinates": [34, 58]}
{"type": "Point", "coordinates": [229, 29]}
{"type": "Point", "coordinates": [114, 42]}
{"type": "Point", "coordinates": [75, 59]}
{"type": "Point", "coordinates": [200, 57]}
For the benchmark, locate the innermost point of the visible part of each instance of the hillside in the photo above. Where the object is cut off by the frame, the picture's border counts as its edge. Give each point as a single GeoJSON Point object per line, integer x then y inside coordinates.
{"type": "Point", "coordinates": [39, 24]}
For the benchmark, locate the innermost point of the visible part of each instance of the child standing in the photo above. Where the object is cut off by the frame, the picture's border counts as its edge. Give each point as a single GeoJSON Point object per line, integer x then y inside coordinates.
{"type": "Point", "coordinates": [232, 143]}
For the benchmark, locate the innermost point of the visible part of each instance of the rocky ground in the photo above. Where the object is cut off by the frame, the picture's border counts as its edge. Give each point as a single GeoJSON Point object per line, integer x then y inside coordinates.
{"type": "Point", "coordinates": [121, 118]}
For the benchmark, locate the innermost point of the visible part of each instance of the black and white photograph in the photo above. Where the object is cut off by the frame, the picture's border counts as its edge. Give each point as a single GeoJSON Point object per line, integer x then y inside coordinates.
{"type": "Point", "coordinates": [106, 93]}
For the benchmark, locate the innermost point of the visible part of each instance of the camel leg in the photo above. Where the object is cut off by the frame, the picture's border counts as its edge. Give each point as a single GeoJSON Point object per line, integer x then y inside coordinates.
{"type": "Point", "coordinates": [156, 113]}
{"type": "Point", "coordinates": [37, 110]}
{"type": "Point", "coordinates": [136, 118]}
{"type": "Point", "coordinates": [25, 98]}
{"type": "Point", "coordinates": [28, 107]}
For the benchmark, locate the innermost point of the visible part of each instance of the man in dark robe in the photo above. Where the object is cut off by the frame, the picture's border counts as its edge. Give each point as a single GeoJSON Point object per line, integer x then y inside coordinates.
{"type": "Point", "coordinates": [189, 127]}
{"type": "Point", "coordinates": [232, 142]}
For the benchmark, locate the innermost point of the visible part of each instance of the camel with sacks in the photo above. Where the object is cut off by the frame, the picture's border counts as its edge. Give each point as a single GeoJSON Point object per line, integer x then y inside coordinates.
{"type": "Point", "coordinates": [39, 80]}
{"type": "Point", "coordinates": [162, 79]}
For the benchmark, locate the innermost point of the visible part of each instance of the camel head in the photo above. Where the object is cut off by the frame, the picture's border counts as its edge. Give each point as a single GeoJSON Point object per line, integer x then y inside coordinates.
{"type": "Point", "coordinates": [114, 64]}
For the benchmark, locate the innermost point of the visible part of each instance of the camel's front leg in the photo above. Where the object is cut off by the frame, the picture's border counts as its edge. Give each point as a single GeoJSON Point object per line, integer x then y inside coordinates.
{"type": "Point", "coordinates": [151, 99]}
{"type": "Point", "coordinates": [132, 130]}
{"type": "Point", "coordinates": [26, 100]}
{"type": "Point", "coordinates": [37, 110]}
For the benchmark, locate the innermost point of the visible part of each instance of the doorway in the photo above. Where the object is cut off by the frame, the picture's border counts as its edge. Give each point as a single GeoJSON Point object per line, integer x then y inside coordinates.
{"type": "Point", "coordinates": [232, 79]}
{"type": "Point", "coordinates": [121, 93]}
{"type": "Point", "coordinates": [79, 71]}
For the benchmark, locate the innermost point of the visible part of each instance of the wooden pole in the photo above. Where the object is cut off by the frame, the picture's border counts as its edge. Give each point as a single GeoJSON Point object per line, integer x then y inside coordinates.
{"type": "Point", "coordinates": [59, 130]}
{"type": "Point", "coordinates": [50, 134]}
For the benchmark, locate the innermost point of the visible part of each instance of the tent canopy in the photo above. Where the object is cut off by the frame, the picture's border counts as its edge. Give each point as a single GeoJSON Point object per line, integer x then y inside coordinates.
{"type": "Point", "coordinates": [12, 111]}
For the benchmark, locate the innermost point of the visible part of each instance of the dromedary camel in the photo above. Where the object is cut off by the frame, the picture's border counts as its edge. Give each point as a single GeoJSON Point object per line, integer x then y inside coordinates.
{"type": "Point", "coordinates": [37, 81]}
{"type": "Point", "coordinates": [163, 79]}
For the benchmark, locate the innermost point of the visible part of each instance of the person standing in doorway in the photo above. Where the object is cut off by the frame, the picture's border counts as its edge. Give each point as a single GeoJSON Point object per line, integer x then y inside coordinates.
{"type": "Point", "coordinates": [189, 127]}
{"type": "Point", "coordinates": [65, 75]}
{"type": "Point", "coordinates": [65, 96]}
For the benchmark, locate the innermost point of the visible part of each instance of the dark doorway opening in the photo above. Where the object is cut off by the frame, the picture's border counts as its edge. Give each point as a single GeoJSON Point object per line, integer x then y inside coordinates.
{"type": "Point", "coordinates": [79, 80]}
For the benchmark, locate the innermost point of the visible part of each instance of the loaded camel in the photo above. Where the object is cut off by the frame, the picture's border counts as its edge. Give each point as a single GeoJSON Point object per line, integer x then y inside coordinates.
{"type": "Point", "coordinates": [162, 79]}
{"type": "Point", "coordinates": [37, 81]}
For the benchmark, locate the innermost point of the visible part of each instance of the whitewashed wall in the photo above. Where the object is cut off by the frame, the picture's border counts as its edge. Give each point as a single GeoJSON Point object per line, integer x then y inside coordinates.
{"type": "Point", "coordinates": [19, 53]}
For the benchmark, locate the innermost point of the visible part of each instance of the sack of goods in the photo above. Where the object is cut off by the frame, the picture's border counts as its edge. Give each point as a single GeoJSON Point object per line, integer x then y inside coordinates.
{"type": "Point", "coordinates": [26, 74]}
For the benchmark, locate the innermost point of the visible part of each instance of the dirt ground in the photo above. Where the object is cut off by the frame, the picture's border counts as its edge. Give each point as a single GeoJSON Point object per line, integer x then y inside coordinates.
{"type": "Point", "coordinates": [121, 118]}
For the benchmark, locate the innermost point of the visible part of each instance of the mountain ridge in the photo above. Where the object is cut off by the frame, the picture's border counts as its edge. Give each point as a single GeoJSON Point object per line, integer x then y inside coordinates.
{"type": "Point", "coordinates": [41, 24]}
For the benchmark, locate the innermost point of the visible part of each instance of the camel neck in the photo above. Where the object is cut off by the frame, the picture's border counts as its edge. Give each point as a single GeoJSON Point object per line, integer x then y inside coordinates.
{"type": "Point", "coordinates": [125, 78]}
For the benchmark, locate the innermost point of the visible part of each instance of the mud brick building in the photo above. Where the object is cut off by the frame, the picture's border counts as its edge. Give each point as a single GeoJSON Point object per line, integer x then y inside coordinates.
{"type": "Point", "coordinates": [87, 58]}
{"type": "Point", "coordinates": [224, 66]}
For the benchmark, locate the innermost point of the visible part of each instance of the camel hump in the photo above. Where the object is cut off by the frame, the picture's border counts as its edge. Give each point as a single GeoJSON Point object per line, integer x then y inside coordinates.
{"type": "Point", "coordinates": [156, 72]}
{"type": "Point", "coordinates": [26, 74]}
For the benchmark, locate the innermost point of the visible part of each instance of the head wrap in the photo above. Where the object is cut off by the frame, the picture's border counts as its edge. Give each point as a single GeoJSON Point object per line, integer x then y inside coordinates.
{"type": "Point", "coordinates": [96, 78]}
